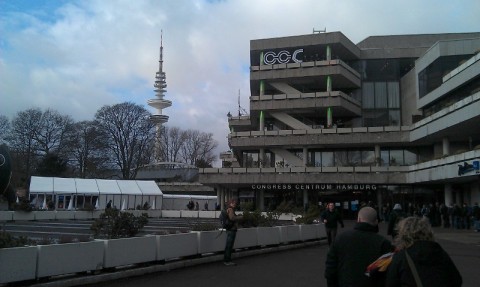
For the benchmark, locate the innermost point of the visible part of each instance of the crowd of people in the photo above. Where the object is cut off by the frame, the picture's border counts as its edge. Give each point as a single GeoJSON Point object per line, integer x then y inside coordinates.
{"type": "Point", "coordinates": [362, 257]}
{"type": "Point", "coordinates": [455, 215]}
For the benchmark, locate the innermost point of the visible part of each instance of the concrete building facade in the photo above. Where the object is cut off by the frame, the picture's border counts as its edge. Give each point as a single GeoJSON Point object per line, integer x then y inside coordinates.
{"type": "Point", "coordinates": [390, 119]}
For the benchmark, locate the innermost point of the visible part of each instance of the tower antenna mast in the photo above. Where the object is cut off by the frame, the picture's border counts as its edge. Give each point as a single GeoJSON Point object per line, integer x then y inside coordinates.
{"type": "Point", "coordinates": [241, 111]}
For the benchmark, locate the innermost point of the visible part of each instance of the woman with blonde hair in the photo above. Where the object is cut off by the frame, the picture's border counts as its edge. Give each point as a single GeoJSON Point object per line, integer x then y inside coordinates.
{"type": "Point", "coordinates": [420, 261]}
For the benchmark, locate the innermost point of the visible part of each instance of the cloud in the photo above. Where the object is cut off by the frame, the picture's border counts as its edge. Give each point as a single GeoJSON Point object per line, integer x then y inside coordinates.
{"type": "Point", "coordinates": [76, 56]}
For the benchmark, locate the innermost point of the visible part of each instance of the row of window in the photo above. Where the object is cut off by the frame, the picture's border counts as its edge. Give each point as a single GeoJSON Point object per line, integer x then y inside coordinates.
{"type": "Point", "coordinates": [331, 158]}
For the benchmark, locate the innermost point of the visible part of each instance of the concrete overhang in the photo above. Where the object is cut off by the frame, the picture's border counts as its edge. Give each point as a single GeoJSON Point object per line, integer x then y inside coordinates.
{"type": "Point", "coordinates": [293, 139]}
{"type": "Point", "coordinates": [317, 103]}
{"type": "Point", "coordinates": [341, 75]}
{"type": "Point", "coordinates": [468, 73]}
{"type": "Point", "coordinates": [458, 122]}
{"type": "Point", "coordinates": [339, 43]}
{"type": "Point", "coordinates": [237, 180]}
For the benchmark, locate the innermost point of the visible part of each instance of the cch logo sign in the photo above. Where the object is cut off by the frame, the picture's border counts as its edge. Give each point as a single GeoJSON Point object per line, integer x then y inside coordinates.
{"type": "Point", "coordinates": [282, 57]}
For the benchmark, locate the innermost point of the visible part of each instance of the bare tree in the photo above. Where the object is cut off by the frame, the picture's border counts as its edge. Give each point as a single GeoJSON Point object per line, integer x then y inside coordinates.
{"type": "Point", "coordinates": [87, 150]}
{"type": "Point", "coordinates": [23, 143]}
{"type": "Point", "coordinates": [206, 155]}
{"type": "Point", "coordinates": [171, 142]}
{"type": "Point", "coordinates": [198, 148]}
{"type": "Point", "coordinates": [129, 135]}
{"type": "Point", "coordinates": [53, 133]}
{"type": "Point", "coordinates": [4, 129]}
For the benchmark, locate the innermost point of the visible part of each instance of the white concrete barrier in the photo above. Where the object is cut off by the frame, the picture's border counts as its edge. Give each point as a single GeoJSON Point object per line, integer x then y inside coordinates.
{"type": "Point", "coordinates": [246, 237]}
{"type": "Point", "coordinates": [211, 241]}
{"type": "Point", "coordinates": [268, 236]}
{"type": "Point", "coordinates": [189, 213]}
{"type": "Point", "coordinates": [22, 215]}
{"type": "Point", "coordinates": [68, 258]}
{"type": "Point", "coordinates": [29, 263]}
{"type": "Point", "coordinates": [290, 233]}
{"type": "Point", "coordinates": [308, 231]}
{"type": "Point", "coordinates": [44, 214]}
{"type": "Point", "coordinates": [207, 214]}
{"type": "Point", "coordinates": [171, 213]}
{"type": "Point", "coordinates": [18, 264]}
{"type": "Point", "coordinates": [176, 245]}
{"type": "Point", "coordinates": [126, 251]}
{"type": "Point", "coordinates": [6, 215]}
{"type": "Point", "coordinates": [64, 214]}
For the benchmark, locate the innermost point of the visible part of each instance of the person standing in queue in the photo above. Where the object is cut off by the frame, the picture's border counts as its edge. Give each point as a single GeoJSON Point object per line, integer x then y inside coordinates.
{"type": "Point", "coordinates": [354, 250]}
{"type": "Point", "coordinates": [331, 217]}
{"type": "Point", "coordinates": [420, 260]}
{"type": "Point", "coordinates": [231, 230]}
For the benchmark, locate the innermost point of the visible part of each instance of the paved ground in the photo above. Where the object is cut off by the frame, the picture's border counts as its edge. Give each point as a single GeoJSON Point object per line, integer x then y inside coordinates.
{"type": "Point", "coordinates": [297, 267]}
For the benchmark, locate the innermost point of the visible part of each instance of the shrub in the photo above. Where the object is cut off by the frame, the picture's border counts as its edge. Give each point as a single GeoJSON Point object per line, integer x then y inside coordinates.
{"type": "Point", "coordinates": [205, 226]}
{"type": "Point", "coordinates": [9, 241]}
{"type": "Point", "coordinates": [115, 224]}
{"type": "Point", "coordinates": [310, 216]}
{"type": "Point", "coordinates": [22, 205]}
{"type": "Point", "coordinates": [251, 218]}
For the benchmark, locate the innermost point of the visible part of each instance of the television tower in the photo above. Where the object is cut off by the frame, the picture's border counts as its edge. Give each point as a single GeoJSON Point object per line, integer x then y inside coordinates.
{"type": "Point", "coordinates": [159, 103]}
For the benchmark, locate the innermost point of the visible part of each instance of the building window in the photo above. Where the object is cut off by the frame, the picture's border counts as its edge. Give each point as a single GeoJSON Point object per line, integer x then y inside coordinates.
{"type": "Point", "coordinates": [328, 158]}
{"type": "Point", "coordinates": [432, 76]}
{"type": "Point", "coordinates": [381, 104]}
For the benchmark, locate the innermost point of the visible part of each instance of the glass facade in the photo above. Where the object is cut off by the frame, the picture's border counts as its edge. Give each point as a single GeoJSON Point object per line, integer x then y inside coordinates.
{"type": "Point", "coordinates": [381, 90]}
{"type": "Point", "coordinates": [432, 77]}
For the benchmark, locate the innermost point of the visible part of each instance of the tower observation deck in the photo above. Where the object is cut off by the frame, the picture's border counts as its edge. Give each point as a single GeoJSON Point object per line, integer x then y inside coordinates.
{"type": "Point", "coordinates": [159, 103]}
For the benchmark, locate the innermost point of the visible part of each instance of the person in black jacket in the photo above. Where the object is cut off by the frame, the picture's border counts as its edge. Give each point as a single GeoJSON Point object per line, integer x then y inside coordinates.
{"type": "Point", "coordinates": [330, 217]}
{"type": "Point", "coordinates": [354, 250]}
{"type": "Point", "coordinates": [432, 263]}
{"type": "Point", "coordinates": [395, 216]}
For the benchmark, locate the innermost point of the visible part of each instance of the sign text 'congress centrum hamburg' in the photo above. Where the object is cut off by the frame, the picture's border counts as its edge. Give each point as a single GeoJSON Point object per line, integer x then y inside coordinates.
{"type": "Point", "coordinates": [314, 186]}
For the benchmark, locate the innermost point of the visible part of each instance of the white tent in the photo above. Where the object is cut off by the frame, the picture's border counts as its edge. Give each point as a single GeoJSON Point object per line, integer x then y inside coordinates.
{"type": "Point", "coordinates": [66, 189]}
{"type": "Point", "coordinates": [95, 191]}
{"type": "Point", "coordinates": [109, 190]}
{"type": "Point", "coordinates": [40, 187]}
{"type": "Point", "coordinates": [87, 192]}
{"type": "Point", "coordinates": [151, 193]}
{"type": "Point", "coordinates": [131, 192]}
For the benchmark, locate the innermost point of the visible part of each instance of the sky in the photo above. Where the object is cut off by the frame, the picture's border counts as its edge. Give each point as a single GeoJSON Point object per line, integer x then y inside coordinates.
{"type": "Point", "coordinates": [78, 56]}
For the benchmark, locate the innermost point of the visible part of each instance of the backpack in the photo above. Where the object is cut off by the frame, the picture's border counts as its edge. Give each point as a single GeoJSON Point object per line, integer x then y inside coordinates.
{"type": "Point", "coordinates": [225, 222]}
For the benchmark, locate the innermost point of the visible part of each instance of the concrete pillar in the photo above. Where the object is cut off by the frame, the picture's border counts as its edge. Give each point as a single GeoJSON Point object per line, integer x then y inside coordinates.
{"type": "Point", "coordinates": [261, 157]}
{"type": "Point", "coordinates": [475, 192]}
{"type": "Point", "coordinates": [380, 200]}
{"type": "Point", "coordinates": [448, 194]}
{"type": "Point", "coordinates": [261, 200]}
{"type": "Point", "coordinates": [262, 121]}
{"type": "Point", "coordinates": [305, 197]}
{"type": "Point", "coordinates": [458, 197]}
{"type": "Point", "coordinates": [329, 84]}
{"type": "Point", "coordinates": [446, 146]}
{"type": "Point", "coordinates": [378, 155]}
{"type": "Point", "coordinates": [329, 117]}
{"type": "Point", "coordinates": [262, 88]}
{"type": "Point", "coordinates": [305, 156]}
{"type": "Point", "coordinates": [329, 53]}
